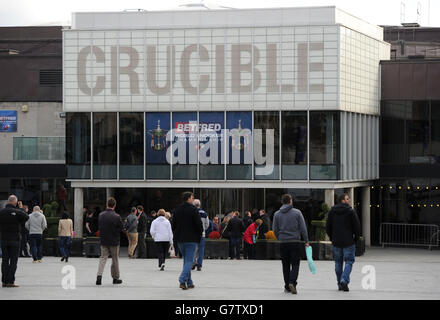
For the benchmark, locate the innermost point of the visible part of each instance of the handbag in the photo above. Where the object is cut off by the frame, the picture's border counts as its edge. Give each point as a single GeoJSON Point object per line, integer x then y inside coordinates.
{"type": "Point", "coordinates": [309, 254]}
{"type": "Point", "coordinates": [171, 251]}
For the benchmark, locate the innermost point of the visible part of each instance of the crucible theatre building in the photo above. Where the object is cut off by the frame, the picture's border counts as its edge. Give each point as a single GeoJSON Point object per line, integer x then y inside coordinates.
{"type": "Point", "coordinates": [239, 106]}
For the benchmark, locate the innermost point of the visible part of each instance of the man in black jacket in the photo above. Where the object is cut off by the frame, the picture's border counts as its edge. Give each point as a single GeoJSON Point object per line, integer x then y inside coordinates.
{"type": "Point", "coordinates": [142, 230]}
{"type": "Point", "coordinates": [11, 219]}
{"type": "Point", "coordinates": [265, 227]}
{"type": "Point", "coordinates": [236, 228]}
{"type": "Point", "coordinates": [187, 231]}
{"type": "Point", "coordinates": [110, 228]}
{"type": "Point", "coordinates": [343, 228]}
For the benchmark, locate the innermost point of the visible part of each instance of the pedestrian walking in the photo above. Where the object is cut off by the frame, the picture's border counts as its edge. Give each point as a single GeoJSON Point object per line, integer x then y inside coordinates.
{"type": "Point", "coordinates": [290, 228]}
{"type": "Point", "coordinates": [163, 236]}
{"type": "Point", "coordinates": [65, 233]}
{"type": "Point", "coordinates": [250, 238]}
{"type": "Point", "coordinates": [236, 228]}
{"type": "Point", "coordinates": [110, 227]}
{"type": "Point", "coordinates": [11, 218]}
{"type": "Point", "coordinates": [36, 225]}
{"type": "Point", "coordinates": [187, 229]}
{"type": "Point", "coordinates": [24, 252]}
{"type": "Point", "coordinates": [343, 229]}
{"type": "Point", "coordinates": [132, 234]}
{"type": "Point", "coordinates": [142, 231]}
{"type": "Point", "coordinates": [200, 250]}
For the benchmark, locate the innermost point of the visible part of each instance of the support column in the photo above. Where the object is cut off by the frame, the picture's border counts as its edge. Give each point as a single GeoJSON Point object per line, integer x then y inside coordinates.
{"type": "Point", "coordinates": [109, 192]}
{"type": "Point", "coordinates": [330, 197]}
{"type": "Point", "coordinates": [350, 192]}
{"type": "Point", "coordinates": [78, 200]}
{"type": "Point", "coordinates": [366, 215]}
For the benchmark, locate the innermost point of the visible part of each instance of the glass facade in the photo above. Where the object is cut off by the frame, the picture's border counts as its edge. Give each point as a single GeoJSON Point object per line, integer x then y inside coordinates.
{"type": "Point", "coordinates": [105, 151]}
{"type": "Point", "coordinates": [294, 145]}
{"type": "Point", "coordinates": [324, 145]}
{"type": "Point", "coordinates": [78, 152]}
{"type": "Point", "coordinates": [39, 148]}
{"type": "Point", "coordinates": [131, 145]}
{"type": "Point", "coordinates": [216, 146]}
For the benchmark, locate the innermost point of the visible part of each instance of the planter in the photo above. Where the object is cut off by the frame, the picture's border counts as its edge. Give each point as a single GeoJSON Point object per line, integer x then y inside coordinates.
{"type": "Point", "coordinates": [77, 247]}
{"type": "Point", "coordinates": [151, 248]}
{"type": "Point", "coordinates": [92, 247]}
{"type": "Point", "coordinates": [50, 247]}
{"type": "Point", "coordinates": [360, 247]}
{"type": "Point", "coordinates": [261, 252]}
{"type": "Point", "coordinates": [216, 248]}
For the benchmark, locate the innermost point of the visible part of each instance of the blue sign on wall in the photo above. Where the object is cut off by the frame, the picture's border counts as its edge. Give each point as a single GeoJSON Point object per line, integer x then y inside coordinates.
{"type": "Point", "coordinates": [239, 125]}
{"type": "Point", "coordinates": [211, 125]}
{"type": "Point", "coordinates": [8, 121]}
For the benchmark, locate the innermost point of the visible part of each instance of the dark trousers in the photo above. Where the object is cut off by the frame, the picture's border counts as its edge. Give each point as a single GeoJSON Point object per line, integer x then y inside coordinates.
{"type": "Point", "coordinates": [36, 246]}
{"type": "Point", "coordinates": [290, 258]}
{"type": "Point", "coordinates": [162, 251]}
{"type": "Point", "coordinates": [141, 248]}
{"type": "Point", "coordinates": [10, 253]}
{"type": "Point", "coordinates": [23, 244]}
{"type": "Point", "coordinates": [235, 244]}
{"type": "Point", "coordinates": [249, 250]}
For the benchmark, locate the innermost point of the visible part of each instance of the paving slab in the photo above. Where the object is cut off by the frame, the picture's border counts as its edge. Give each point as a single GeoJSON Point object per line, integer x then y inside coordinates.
{"type": "Point", "coordinates": [401, 274]}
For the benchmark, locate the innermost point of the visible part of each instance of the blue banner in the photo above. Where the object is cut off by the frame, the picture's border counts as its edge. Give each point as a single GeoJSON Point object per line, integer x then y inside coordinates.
{"type": "Point", "coordinates": [239, 125]}
{"type": "Point", "coordinates": [185, 127]}
{"type": "Point", "coordinates": [157, 127]}
{"type": "Point", "coordinates": [213, 123]}
{"type": "Point", "coordinates": [8, 121]}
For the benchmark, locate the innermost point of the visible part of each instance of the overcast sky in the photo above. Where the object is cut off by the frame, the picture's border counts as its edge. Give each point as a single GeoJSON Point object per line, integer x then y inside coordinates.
{"type": "Point", "coordinates": [56, 12]}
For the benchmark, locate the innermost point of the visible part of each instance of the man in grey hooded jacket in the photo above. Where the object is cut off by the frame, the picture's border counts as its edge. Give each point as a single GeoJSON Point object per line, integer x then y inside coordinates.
{"type": "Point", "coordinates": [289, 227]}
{"type": "Point", "coordinates": [36, 225]}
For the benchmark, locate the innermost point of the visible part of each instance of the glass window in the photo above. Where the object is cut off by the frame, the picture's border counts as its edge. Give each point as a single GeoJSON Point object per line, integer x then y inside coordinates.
{"type": "Point", "coordinates": [435, 131]}
{"type": "Point", "coordinates": [157, 126]}
{"type": "Point", "coordinates": [78, 153]}
{"type": "Point", "coordinates": [131, 146]}
{"type": "Point", "coordinates": [418, 132]}
{"type": "Point", "coordinates": [211, 151]}
{"type": "Point", "coordinates": [185, 131]}
{"type": "Point", "coordinates": [267, 120]}
{"type": "Point", "coordinates": [104, 145]}
{"type": "Point", "coordinates": [393, 150]}
{"type": "Point", "coordinates": [39, 148]}
{"type": "Point", "coordinates": [240, 151]}
{"type": "Point", "coordinates": [324, 145]}
{"type": "Point", "coordinates": [294, 145]}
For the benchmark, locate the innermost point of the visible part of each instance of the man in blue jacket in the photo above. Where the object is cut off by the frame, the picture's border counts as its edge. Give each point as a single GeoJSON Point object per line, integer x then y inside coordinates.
{"type": "Point", "coordinates": [187, 232]}
{"type": "Point", "coordinates": [289, 227]}
{"type": "Point", "coordinates": [343, 228]}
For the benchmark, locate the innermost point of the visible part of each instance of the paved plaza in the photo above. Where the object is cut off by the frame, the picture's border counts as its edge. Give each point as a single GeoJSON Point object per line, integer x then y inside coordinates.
{"type": "Point", "coordinates": [400, 274]}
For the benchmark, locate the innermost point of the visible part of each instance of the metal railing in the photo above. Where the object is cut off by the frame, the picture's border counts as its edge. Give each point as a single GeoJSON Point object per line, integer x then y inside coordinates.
{"type": "Point", "coordinates": [402, 234]}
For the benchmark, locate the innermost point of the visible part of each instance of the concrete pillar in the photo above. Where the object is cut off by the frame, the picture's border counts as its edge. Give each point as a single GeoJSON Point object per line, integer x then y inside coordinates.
{"type": "Point", "coordinates": [330, 197]}
{"type": "Point", "coordinates": [366, 215]}
{"type": "Point", "coordinates": [109, 192]}
{"type": "Point", "coordinates": [78, 200]}
{"type": "Point", "coordinates": [350, 192]}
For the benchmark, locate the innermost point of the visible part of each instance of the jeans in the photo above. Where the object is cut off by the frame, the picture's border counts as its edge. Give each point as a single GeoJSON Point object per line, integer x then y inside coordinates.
{"type": "Point", "coordinates": [36, 246]}
{"type": "Point", "coordinates": [200, 253]}
{"type": "Point", "coordinates": [340, 255]}
{"type": "Point", "coordinates": [290, 258]}
{"type": "Point", "coordinates": [236, 244]}
{"type": "Point", "coordinates": [188, 250]}
{"type": "Point", "coordinates": [10, 253]}
{"type": "Point", "coordinates": [64, 243]}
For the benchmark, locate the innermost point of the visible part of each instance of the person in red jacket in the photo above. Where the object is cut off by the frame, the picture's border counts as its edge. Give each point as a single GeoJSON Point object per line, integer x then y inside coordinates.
{"type": "Point", "coordinates": [249, 239]}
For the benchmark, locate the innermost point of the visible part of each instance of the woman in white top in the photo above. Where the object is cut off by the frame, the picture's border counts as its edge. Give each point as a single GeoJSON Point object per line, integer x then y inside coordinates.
{"type": "Point", "coordinates": [163, 235]}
